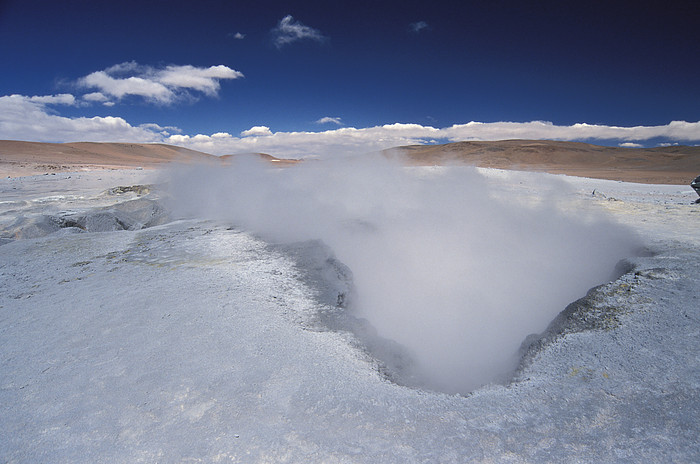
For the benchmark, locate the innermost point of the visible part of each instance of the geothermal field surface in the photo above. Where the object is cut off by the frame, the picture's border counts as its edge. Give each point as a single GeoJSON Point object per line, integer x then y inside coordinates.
{"type": "Point", "coordinates": [355, 311]}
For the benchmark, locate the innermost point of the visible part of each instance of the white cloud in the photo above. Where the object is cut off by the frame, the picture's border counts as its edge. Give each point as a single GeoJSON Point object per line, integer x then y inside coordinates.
{"type": "Point", "coordinates": [95, 97]}
{"type": "Point", "coordinates": [221, 135]}
{"type": "Point", "coordinates": [34, 118]}
{"type": "Point", "coordinates": [678, 130]}
{"type": "Point", "coordinates": [419, 26]}
{"type": "Point", "coordinates": [340, 141]}
{"type": "Point", "coordinates": [179, 139]}
{"type": "Point", "coordinates": [159, 85]}
{"type": "Point", "coordinates": [60, 99]}
{"type": "Point", "coordinates": [28, 118]}
{"type": "Point", "coordinates": [238, 36]}
{"type": "Point", "coordinates": [257, 131]}
{"type": "Point", "coordinates": [119, 88]}
{"type": "Point", "coordinates": [205, 80]}
{"type": "Point", "coordinates": [348, 140]}
{"type": "Point", "coordinates": [127, 67]}
{"type": "Point", "coordinates": [631, 145]}
{"type": "Point", "coordinates": [165, 131]}
{"type": "Point", "coordinates": [288, 31]}
{"type": "Point", "coordinates": [329, 119]}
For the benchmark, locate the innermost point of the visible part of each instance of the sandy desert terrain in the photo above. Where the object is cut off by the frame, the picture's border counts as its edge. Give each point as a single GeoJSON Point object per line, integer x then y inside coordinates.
{"type": "Point", "coordinates": [665, 165]}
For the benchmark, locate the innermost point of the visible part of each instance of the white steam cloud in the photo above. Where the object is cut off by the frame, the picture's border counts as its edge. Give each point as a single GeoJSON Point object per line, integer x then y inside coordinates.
{"type": "Point", "coordinates": [444, 263]}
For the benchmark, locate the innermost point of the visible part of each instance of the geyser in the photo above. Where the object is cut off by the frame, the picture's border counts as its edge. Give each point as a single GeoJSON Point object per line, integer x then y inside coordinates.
{"type": "Point", "coordinates": [444, 263]}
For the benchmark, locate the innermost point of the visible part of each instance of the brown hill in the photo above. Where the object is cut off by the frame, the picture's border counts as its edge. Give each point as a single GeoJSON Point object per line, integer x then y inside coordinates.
{"type": "Point", "coordinates": [27, 158]}
{"type": "Point", "coordinates": [662, 165]}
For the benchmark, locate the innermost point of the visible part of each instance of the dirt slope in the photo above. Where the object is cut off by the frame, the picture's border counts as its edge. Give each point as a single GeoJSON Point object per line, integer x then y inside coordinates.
{"type": "Point", "coordinates": [27, 158]}
{"type": "Point", "coordinates": [662, 165]}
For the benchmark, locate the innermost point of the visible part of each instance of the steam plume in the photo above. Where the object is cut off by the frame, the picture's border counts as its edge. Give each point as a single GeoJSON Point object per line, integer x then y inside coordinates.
{"type": "Point", "coordinates": [444, 263]}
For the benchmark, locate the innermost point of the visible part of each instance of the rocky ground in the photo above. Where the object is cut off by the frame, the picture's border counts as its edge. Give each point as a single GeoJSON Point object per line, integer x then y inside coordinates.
{"type": "Point", "coordinates": [129, 336]}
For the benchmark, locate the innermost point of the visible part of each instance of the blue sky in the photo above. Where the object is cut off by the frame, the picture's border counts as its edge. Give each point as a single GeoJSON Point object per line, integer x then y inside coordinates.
{"type": "Point", "coordinates": [299, 78]}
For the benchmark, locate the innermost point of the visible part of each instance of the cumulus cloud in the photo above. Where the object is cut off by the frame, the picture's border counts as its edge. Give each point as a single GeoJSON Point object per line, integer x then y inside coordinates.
{"type": "Point", "coordinates": [205, 80]}
{"type": "Point", "coordinates": [328, 119]}
{"type": "Point", "coordinates": [341, 141]}
{"type": "Point", "coordinates": [349, 140]}
{"type": "Point", "coordinates": [29, 118]}
{"type": "Point", "coordinates": [35, 118]}
{"type": "Point", "coordinates": [95, 97]}
{"type": "Point", "coordinates": [419, 26]}
{"type": "Point", "coordinates": [631, 145]}
{"type": "Point", "coordinates": [678, 130]}
{"type": "Point", "coordinates": [289, 30]}
{"type": "Point", "coordinates": [220, 135]}
{"type": "Point", "coordinates": [238, 36]}
{"type": "Point", "coordinates": [257, 131]}
{"type": "Point", "coordinates": [60, 99]}
{"type": "Point", "coordinates": [127, 67]}
{"type": "Point", "coordinates": [119, 88]}
{"type": "Point", "coordinates": [162, 130]}
{"type": "Point", "coordinates": [159, 85]}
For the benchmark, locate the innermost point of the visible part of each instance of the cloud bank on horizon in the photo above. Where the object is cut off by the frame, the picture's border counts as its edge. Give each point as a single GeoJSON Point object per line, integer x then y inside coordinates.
{"type": "Point", "coordinates": [37, 118]}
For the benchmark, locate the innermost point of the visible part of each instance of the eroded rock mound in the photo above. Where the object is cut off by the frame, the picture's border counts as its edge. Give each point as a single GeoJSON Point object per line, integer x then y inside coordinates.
{"type": "Point", "coordinates": [135, 214]}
